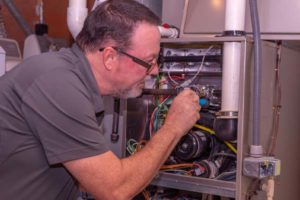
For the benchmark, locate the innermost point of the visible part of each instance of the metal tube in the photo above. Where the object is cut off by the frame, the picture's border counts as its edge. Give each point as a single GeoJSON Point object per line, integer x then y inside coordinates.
{"type": "Point", "coordinates": [16, 14]}
{"type": "Point", "coordinates": [257, 72]}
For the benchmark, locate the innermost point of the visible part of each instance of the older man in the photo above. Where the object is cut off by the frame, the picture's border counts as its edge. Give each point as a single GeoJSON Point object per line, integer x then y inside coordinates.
{"type": "Point", "coordinates": [51, 107]}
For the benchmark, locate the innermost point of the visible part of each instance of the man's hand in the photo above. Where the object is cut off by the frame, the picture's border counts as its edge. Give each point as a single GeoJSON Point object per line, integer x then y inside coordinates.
{"type": "Point", "coordinates": [184, 112]}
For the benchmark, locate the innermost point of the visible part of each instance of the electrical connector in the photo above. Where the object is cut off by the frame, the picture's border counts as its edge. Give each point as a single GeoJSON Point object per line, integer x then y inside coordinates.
{"type": "Point", "coordinates": [261, 167]}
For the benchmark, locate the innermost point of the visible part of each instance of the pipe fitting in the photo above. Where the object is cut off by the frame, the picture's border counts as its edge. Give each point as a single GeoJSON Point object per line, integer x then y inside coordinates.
{"type": "Point", "coordinates": [256, 151]}
{"type": "Point", "coordinates": [226, 128]}
{"type": "Point", "coordinates": [76, 14]}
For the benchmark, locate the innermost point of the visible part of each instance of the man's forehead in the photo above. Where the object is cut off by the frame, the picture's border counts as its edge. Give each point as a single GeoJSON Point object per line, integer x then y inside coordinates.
{"type": "Point", "coordinates": [146, 36]}
{"type": "Point", "coordinates": [145, 32]}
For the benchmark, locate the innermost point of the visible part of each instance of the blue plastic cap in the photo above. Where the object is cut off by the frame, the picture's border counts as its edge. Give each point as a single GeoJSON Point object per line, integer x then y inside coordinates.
{"type": "Point", "coordinates": [203, 102]}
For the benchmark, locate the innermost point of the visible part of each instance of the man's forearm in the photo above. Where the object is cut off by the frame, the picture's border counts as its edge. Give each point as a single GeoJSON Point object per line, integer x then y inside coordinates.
{"type": "Point", "coordinates": [143, 166]}
{"type": "Point", "coordinates": [108, 177]}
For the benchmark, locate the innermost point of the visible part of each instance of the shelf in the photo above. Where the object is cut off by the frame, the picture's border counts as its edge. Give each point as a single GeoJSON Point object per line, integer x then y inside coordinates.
{"type": "Point", "coordinates": [195, 184]}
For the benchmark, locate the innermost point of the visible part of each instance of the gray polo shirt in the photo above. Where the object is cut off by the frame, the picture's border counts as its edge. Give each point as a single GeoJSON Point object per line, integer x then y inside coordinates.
{"type": "Point", "coordinates": [50, 110]}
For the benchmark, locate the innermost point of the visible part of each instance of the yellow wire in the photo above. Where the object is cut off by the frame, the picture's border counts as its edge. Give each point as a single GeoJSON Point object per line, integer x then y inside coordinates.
{"type": "Point", "coordinates": [230, 146]}
{"type": "Point", "coordinates": [204, 128]}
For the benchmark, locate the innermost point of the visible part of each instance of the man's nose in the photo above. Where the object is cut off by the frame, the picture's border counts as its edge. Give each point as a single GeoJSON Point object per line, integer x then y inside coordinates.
{"type": "Point", "coordinates": [154, 70]}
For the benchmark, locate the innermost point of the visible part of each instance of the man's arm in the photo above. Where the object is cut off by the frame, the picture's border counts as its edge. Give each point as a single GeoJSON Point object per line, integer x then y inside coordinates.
{"type": "Point", "coordinates": [107, 177]}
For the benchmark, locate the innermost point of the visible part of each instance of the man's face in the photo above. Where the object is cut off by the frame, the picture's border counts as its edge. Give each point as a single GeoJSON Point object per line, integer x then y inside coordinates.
{"type": "Point", "coordinates": [132, 75]}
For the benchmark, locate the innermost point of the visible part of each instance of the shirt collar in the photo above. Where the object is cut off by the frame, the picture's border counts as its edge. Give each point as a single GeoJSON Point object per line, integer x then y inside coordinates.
{"type": "Point", "coordinates": [86, 70]}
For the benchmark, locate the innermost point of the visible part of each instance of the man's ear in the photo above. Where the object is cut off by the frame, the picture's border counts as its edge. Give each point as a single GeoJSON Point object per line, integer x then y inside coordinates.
{"type": "Point", "coordinates": [109, 58]}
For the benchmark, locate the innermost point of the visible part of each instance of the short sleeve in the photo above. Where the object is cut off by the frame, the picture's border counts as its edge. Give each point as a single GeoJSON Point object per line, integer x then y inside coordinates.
{"type": "Point", "coordinates": [58, 108]}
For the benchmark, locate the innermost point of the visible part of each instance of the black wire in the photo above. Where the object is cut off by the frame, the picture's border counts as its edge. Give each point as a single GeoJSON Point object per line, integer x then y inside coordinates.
{"type": "Point", "coordinates": [225, 154]}
{"type": "Point", "coordinates": [230, 175]}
